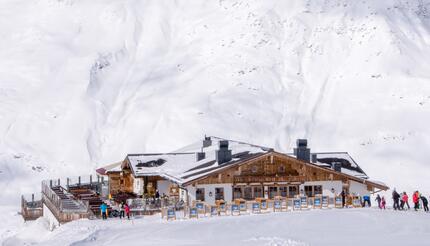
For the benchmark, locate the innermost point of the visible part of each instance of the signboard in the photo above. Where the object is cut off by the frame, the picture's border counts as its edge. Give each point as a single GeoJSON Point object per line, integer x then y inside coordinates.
{"type": "Point", "coordinates": [296, 204]}
{"type": "Point", "coordinates": [338, 202]}
{"type": "Point", "coordinates": [222, 208]}
{"type": "Point", "coordinates": [214, 211]}
{"type": "Point", "coordinates": [356, 202]}
{"type": "Point", "coordinates": [324, 201]}
{"type": "Point", "coordinates": [200, 206]}
{"type": "Point", "coordinates": [263, 204]}
{"type": "Point", "coordinates": [304, 202]}
{"type": "Point", "coordinates": [277, 205]}
{"type": "Point", "coordinates": [235, 209]}
{"type": "Point", "coordinates": [317, 202]}
{"type": "Point", "coordinates": [171, 214]}
{"type": "Point", "coordinates": [242, 206]}
{"type": "Point", "coordinates": [256, 208]}
{"type": "Point", "coordinates": [193, 213]}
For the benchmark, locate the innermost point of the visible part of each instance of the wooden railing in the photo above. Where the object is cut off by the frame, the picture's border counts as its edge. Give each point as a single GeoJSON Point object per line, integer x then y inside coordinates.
{"type": "Point", "coordinates": [266, 179]}
{"type": "Point", "coordinates": [55, 204]}
{"type": "Point", "coordinates": [31, 210]}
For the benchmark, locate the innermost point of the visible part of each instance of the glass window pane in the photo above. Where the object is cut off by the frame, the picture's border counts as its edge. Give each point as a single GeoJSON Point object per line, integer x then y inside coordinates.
{"type": "Point", "coordinates": [283, 191]}
{"type": "Point", "coordinates": [258, 191]}
{"type": "Point", "coordinates": [292, 191]}
{"type": "Point", "coordinates": [318, 190]}
{"type": "Point", "coordinates": [219, 193]}
{"type": "Point", "coordinates": [200, 194]}
{"type": "Point", "coordinates": [247, 193]}
{"type": "Point", "coordinates": [237, 193]}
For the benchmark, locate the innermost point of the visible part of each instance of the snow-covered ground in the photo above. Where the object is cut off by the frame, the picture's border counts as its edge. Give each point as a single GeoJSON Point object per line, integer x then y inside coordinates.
{"type": "Point", "coordinates": [83, 83]}
{"type": "Point", "coordinates": [314, 227]}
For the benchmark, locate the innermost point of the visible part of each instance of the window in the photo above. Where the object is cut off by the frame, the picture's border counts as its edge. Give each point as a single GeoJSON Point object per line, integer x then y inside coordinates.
{"type": "Point", "coordinates": [292, 191]}
{"type": "Point", "coordinates": [308, 191]}
{"type": "Point", "coordinates": [281, 169]}
{"type": "Point", "coordinates": [318, 190]}
{"type": "Point", "coordinates": [219, 193]}
{"type": "Point", "coordinates": [237, 192]}
{"type": "Point", "coordinates": [247, 192]}
{"type": "Point", "coordinates": [254, 169]}
{"type": "Point", "coordinates": [283, 191]}
{"type": "Point", "coordinates": [273, 191]}
{"type": "Point", "coordinates": [200, 194]}
{"type": "Point", "coordinates": [258, 192]}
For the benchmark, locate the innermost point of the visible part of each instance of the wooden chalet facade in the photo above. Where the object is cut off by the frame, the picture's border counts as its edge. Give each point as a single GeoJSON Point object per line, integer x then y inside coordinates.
{"type": "Point", "coordinates": [220, 169]}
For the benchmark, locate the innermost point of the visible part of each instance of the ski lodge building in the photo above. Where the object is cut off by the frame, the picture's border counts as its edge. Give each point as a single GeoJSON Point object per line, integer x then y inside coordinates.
{"type": "Point", "coordinates": [220, 169]}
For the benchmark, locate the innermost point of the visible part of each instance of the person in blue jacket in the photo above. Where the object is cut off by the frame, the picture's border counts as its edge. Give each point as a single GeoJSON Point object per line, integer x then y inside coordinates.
{"type": "Point", "coordinates": [103, 210]}
{"type": "Point", "coordinates": [366, 199]}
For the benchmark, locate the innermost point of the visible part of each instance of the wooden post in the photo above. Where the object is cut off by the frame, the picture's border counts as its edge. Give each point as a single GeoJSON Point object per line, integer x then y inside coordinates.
{"type": "Point", "coordinates": [32, 197]}
{"type": "Point", "coordinates": [68, 183]}
{"type": "Point", "coordinates": [98, 179]}
{"type": "Point", "coordinates": [50, 183]}
{"type": "Point", "coordinates": [79, 180]}
{"type": "Point", "coordinates": [59, 182]}
{"type": "Point", "coordinates": [91, 179]}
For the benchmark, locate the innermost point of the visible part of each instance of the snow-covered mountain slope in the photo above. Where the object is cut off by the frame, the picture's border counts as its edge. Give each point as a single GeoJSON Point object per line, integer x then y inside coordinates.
{"type": "Point", "coordinates": [82, 83]}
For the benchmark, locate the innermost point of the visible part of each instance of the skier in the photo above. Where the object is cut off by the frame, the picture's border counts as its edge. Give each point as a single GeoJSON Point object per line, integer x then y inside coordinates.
{"type": "Point", "coordinates": [405, 199]}
{"type": "Point", "coordinates": [157, 194]}
{"type": "Point", "coordinates": [103, 211]}
{"type": "Point", "coordinates": [127, 210]}
{"type": "Point", "coordinates": [416, 200]}
{"type": "Point", "coordinates": [396, 198]}
{"type": "Point", "coordinates": [425, 203]}
{"type": "Point", "coordinates": [366, 199]}
{"type": "Point", "coordinates": [378, 199]}
{"type": "Point", "coordinates": [383, 203]}
{"type": "Point", "coordinates": [121, 211]}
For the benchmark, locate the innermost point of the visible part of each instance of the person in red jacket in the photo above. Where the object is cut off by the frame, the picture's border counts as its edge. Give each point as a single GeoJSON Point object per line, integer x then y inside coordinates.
{"type": "Point", "coordinates": [127, 210]}
{"type": "Point", "coordinates": [405, 201]}
{"type": "Point", "coordinates": [416, 200]}
{"type": "Point", "coordinates": [383, 203]}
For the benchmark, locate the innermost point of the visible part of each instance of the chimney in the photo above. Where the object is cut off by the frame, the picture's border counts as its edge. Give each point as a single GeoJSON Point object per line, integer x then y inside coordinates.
{"type": "Point", "coordinates": [337, 166]}
{"type": "Point", "coordinates": [223, 154]}
{"type": "Point", "coordinates": [314, 158]}
{"type": "Point", "coordinates": [207, 142]}
{"type": "Point", "coordinates": [302, 152]}
{"type": "Point", "coordinates": [200, 156]}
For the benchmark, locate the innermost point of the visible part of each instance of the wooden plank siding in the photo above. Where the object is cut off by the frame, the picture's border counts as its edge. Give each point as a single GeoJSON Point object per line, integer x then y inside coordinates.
{"type": "Point", "coordinates": [277, 168]}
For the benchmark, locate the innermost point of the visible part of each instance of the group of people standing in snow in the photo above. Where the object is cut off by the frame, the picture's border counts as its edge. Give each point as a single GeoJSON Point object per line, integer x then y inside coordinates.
{"type": "Point", "coordinates": [401, 200]}
{"type": "Point", "coordinates": [124, 210]}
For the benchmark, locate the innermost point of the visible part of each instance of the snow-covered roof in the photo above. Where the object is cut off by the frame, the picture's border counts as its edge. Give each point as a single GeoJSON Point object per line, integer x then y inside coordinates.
{"type": "Point", "coordinates": [115, 167]}
{"type": "Point", "coordinates": [349, 166]}
{"type": "Point", "coordinates": [182, 165]}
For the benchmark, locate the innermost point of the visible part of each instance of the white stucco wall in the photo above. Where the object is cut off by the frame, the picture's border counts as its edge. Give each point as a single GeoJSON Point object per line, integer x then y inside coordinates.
{"type": "Point", "coordinates": [210, 188]}
{"type": "Point", "coordinates": [138, 186]}
{"type": "Point", "coordinates": [48, 215]}
{"type": "Point", "coordinates": [327, 187]}
{"type": "Point", "coordinates": [358, 188]}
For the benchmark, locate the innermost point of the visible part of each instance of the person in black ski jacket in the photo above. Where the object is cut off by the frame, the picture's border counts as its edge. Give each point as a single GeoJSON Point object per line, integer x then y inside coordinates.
{"type": "Point", "coordinates": [378, 199]}
{"type": "Point", "coordinates": [343, 195]}
{"type": "Point", "coordinates": [396, 199]}
{"type": "Point", "coordinates": [425, 203]}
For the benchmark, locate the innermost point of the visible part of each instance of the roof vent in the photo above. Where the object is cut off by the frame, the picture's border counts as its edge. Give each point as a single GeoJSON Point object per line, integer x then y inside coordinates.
{"type": "Point", "coordinates": [200, 156]}
{"type": "Point", "coordinates": [314, 158]}
{"type": "Point", "coordinates": [302, 152]}
{"type": "Point", "coordinates": [207, 142]}
{"type": "Point", "coordinates": [223, 154]}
